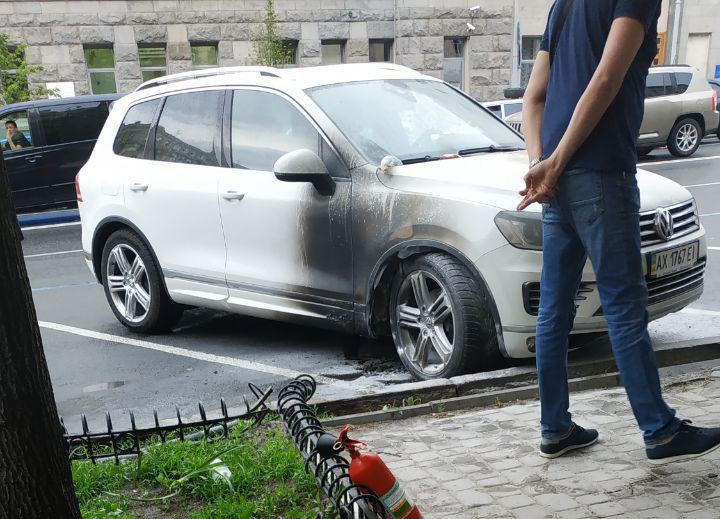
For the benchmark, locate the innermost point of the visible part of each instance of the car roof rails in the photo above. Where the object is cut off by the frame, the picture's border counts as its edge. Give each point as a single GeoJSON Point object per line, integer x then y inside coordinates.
{"type": "Point", "coordinates": [208, 72]}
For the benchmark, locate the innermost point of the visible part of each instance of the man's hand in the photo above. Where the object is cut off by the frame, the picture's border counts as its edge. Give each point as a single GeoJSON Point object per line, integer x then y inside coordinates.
{"type": "Point", "coordinates": [540, 183]}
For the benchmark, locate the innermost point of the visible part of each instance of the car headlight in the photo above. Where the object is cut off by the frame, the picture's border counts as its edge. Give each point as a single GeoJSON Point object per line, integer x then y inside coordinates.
{"type": "Point", "coordinates": [521, 230]}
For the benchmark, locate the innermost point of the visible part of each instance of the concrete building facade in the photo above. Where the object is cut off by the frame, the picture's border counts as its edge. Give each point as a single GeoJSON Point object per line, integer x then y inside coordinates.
{"type": "Point", "coordinates": [85, 46]}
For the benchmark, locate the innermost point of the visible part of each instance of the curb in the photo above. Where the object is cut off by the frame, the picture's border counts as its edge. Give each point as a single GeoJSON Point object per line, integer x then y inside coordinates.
{"type": "Point", "coordinates": [488, 399]}
{"type": "Point", "coordinates": [48, 218]}
{"type": "Point", "coordinates": [492, 387]}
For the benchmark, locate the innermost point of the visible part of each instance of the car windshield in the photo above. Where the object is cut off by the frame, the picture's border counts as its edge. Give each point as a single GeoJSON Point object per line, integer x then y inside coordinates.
{"type": "Point", "coordinates": [411, 119]}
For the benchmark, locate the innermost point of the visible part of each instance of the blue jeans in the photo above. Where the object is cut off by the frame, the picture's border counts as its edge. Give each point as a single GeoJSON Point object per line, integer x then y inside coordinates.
{"type": "Point", "coordinates": [596, 214]}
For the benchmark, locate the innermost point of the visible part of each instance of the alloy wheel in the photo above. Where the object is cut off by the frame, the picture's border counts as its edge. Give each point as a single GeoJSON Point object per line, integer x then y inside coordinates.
{"type": "Point", "coordinates": [128, 283]}
{"type": "Point", "coordinates": [425, 323]}
{"type": "Point", "coordinates": [687, 137]}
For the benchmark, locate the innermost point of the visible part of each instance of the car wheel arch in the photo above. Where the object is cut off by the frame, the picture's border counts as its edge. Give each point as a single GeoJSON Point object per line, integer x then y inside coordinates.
{"type": "Point", "coordinates": [104, 230]}
{"type": "Point", "coordinates": [389, 264]}
{"type": "Point", "coordinates": [699, 118]}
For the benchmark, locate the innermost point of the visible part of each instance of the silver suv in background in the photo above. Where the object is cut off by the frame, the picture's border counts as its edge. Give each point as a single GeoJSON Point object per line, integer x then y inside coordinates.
{"type": "Point", "coordinates": [680, 109]}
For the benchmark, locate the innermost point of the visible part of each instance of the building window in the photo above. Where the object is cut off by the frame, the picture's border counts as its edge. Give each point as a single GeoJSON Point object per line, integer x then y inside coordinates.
{"type": "Point", "coordinates": [204, 55]}
{"type": "Point", "coordinates": [100, 62]}
{"type": "Point", "coordinates": [530, 47]}
{"type": "Point", "coordinates": [153, 62]}
{"type": "Point", "coordinates": [332, 52]}
{"type": "Point", "coordinates": [10, 67]}
{"type": "Point", "coordinates": [291, 48]}
{"type": "Point", "coordinates": [380, 50]}
{"type": "Point", "coordinates": [660, 56]}
{"type": "Point", "coordinates": [454, 62]}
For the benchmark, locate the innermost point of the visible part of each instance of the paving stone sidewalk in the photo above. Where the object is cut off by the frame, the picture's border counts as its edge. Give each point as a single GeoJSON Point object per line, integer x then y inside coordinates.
{"type": "Point", "coordinates": [484, 463]}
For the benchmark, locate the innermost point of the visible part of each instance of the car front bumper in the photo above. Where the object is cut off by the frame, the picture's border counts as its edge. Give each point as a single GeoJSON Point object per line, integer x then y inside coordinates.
{"type": "Point", "coordinates": [507, 270]}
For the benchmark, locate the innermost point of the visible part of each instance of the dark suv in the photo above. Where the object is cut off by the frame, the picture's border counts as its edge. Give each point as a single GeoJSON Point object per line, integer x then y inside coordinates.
{"type": "Point", "coordinates": [46, 142]}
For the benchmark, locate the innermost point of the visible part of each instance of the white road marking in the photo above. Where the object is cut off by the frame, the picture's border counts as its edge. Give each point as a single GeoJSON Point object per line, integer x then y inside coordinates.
{"type": "Point", "coordinates": [49, 226]}
{"type": "Point", "coordinates": [182, 352]}
{"type": "Point", "coordinates": [710, 214]}
{"type": "Point", "coordinates": [713, 248]}
{"type": "Point", "coordinates": [678, 161]}
{"type": "Point", "coordinates": [52, 253]}
{"type": "Point", "coordinates": [704, 185]}
{"type": "Point", "coordinates": [699, 311]}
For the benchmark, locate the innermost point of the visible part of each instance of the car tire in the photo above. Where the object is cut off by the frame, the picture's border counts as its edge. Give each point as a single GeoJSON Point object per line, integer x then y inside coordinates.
{"type": "Point", "coordinates": [134, 287]}
{"type": "Point", "coordinates": [685, 137]}
{"type": "Point", "coordinates": [467, 335]}
{"type": "Point", "coordinates": [644, 151]}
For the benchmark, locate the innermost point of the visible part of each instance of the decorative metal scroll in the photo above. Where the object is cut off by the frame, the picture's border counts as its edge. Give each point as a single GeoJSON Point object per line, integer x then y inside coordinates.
{"type": "Point", "coordinates": [331, 474]}
{"type": "Point", "coordinates": [117, 444]}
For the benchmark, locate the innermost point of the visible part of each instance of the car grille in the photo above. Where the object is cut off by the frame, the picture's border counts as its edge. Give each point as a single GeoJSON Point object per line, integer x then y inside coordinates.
{"type": "Point", "coordinates": [659, 290]}
{"type": "Point", "coordinates": [684, 217]}
{"type": "Point", "coordinates": [669, 286]}
{"type": "Point", "coordinates": [515, 126]}
{"type": "Point", "coordinates": [531, 295]}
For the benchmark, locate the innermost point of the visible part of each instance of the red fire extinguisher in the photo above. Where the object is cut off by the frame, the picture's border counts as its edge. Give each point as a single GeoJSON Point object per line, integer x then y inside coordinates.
{"type": "Point", "coordinates": [368, 470]}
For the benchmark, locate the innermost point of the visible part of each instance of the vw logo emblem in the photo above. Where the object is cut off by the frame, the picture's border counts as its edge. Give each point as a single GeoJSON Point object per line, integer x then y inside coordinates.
{"type": "Point", "coordinates": [664, 224]}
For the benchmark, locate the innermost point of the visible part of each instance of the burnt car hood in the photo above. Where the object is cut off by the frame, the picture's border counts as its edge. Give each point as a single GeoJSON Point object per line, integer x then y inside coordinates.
{"type": "Point", "coordinates": [494, 179]}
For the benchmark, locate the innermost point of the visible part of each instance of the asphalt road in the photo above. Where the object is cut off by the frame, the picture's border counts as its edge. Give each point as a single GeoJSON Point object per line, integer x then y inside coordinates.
{"type": "Point", "coordinates": [97, 365]}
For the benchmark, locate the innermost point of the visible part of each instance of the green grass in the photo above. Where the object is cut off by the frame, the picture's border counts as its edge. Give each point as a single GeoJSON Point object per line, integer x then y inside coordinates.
{"type": "Point", "coordinates": [267, 481]}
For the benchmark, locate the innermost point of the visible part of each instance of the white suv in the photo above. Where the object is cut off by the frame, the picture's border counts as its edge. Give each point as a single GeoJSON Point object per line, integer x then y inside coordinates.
{"type": "Point", "coordinates": [369, 199]}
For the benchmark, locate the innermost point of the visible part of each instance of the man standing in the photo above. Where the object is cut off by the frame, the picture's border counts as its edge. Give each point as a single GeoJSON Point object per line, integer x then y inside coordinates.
{"type": "Point", "coordinates": [581, 117]}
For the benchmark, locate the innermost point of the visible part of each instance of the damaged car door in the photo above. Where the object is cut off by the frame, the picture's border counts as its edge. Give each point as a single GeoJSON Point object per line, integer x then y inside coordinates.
{"type": "Point", "coordinates": [287, 233]}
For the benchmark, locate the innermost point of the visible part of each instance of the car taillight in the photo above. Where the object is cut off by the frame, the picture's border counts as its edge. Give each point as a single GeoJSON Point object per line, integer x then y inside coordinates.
{"type": "Point", "coordinates": [78, 194]}
{"type": "Point", "coordinates": [714, 100]}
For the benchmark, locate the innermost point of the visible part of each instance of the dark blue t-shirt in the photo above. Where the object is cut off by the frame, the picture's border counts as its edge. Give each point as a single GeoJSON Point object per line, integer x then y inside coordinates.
{"type": "Point", "coordinates": [611, 145]}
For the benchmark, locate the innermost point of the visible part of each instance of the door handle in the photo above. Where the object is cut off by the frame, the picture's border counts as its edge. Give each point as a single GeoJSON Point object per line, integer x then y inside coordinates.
{"type": "Point", "coordinates": [233, 195]}
{"type": "Point", "coordinates": [138, 186]}
{"type": "Point", "coordinates": [32, 160]}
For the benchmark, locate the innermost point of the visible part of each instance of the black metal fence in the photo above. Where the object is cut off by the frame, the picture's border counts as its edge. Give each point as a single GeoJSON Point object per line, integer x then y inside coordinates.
{"type": "Point", "coordinates": [121, 443]}
{"type": "Point", "coordinates": [331, 472]}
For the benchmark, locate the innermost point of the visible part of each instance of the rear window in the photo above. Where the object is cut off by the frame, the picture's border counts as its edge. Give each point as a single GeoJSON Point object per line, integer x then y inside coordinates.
{"type": "Point", "coordinates": [73, 123]}
{"type": "Point", "coordinates": [132, 135]}
{"type": "Point", "coordinates": [683, 81]}
{"type": "Point", "coordinates": [658, 84]}
{"type": "Point", "coordinates": [189, 129]}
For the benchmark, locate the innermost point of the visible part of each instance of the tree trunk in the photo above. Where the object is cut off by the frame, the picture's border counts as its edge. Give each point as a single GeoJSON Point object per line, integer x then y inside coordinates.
{"type": "Point", "coordinates": [35, 478]}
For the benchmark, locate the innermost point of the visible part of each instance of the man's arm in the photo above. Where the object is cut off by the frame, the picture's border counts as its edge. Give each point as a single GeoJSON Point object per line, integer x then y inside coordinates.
{"type": "Point", "coordinates": [623, 42]}
{"type": "Point", "coordinates": [534, 105]}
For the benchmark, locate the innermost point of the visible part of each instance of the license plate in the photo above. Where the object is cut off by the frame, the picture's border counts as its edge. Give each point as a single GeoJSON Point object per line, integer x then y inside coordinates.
{"type": "Point", "coordinates": [674, 260]}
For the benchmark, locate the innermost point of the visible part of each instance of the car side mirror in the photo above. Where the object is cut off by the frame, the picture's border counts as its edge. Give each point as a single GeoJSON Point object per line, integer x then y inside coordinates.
{"type": "Point", "coordinates": [304, 165]}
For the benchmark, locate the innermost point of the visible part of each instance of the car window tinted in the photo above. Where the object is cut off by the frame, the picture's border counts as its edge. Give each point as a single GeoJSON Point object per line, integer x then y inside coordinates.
{"type": "Point", "coordinates": [655, 86]}
{"type": "Point", "coordinates": [132, 135]}
{"type": "Point", "coordinates": [16, 132]}
{"type": "Point", "coordinates": [188, 130]}
{"type": "Point", "coordinates": [683, 81]}
{"type": "Point", "coordinates": [73, 123]}
{"type": "Point", "coordinates": [265, 126]}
